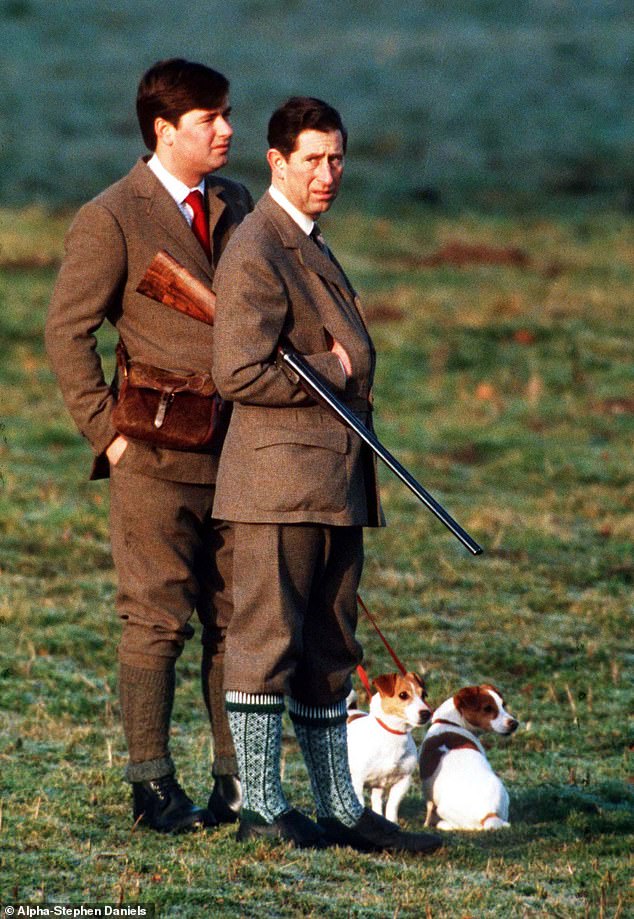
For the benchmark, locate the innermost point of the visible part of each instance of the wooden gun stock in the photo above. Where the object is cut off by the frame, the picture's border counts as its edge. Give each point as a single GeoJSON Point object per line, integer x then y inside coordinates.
{"type": "Point", "coordinates": [168, 282]}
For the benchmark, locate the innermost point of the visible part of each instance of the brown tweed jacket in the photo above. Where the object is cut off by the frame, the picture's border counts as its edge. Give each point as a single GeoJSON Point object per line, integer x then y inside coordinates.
{"type": "Point", "coordinates": [108, 248]}
{"type": "Point", "coordinates": [285, 459]}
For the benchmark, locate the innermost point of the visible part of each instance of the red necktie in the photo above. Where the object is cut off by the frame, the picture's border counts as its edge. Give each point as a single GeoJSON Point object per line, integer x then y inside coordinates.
{"type": "Point", "coordinates": [200, 225]}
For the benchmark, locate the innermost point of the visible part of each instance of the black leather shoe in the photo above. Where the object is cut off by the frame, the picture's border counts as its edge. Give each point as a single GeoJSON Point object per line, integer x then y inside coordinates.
{"type": "Point", "coordinates": [162, 805]}
{"type": "Point", "coordinates": [225, 800]}
{"type": "Point", "coordinates": [292, 826]}
{"type": "Point", "coordinates": [373, 833]}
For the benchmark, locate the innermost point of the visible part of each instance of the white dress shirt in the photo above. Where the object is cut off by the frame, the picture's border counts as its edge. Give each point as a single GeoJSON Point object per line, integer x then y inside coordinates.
{"type": "Point", "coordinates": [302, 220]}
{"type": "Point", "coordinates": [177, 189]}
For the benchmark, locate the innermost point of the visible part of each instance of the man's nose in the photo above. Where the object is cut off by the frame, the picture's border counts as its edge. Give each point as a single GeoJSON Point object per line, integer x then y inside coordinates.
{"type": "Point", "coordinates": [225, 128]}
{"type": "Point", "coordinates": [325, 173]}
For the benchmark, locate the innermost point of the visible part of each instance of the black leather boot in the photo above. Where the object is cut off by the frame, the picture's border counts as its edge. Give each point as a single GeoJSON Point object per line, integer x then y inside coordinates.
{"type": "Point", "coordinates": [225, 800]}
{"type": "Point", "coordinates": [292, 827]}
{"type": "Point", "coordinates": [373, 833]}
{"type": "Point", "coordinates": [162, 805]}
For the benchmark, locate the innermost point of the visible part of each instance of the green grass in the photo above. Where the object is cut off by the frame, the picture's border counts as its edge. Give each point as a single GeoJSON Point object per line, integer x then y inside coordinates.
{"type": "Point", "coordinates": [508, 391]}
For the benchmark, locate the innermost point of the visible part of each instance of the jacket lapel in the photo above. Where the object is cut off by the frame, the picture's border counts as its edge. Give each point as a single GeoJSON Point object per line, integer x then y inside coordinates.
{"type": "Point", "coordinates": [293, 237]}
{"type": "Point", "coordinates": [162, 208]}
{"type": "Point", "coordinates": [216, 204]}
{"type": "Point", "coordinates": [314, 259]}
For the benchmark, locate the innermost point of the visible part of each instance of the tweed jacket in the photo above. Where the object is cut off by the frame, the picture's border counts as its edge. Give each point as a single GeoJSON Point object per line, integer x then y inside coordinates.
{"type": "Point", "coordinates": [107, 250]}
{"type": "Point", "coordinates": [285, 458]}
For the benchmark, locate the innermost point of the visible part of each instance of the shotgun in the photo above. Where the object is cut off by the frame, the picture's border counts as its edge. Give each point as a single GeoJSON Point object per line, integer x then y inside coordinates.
{"type": "Point", "coordinates": [168, 282]}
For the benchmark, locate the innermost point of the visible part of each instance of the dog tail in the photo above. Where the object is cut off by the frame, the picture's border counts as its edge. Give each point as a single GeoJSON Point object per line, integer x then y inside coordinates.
{"type": "Point", "coordinates": [493, 822]}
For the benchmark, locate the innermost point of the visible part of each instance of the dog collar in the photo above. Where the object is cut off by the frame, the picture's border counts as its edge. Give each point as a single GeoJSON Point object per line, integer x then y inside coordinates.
{"type": "Point", "coordinates": [391, 730]}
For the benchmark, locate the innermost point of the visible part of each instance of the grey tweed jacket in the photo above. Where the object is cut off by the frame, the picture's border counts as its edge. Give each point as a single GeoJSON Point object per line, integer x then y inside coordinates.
{"type": "Point", "coordinates": [286, 459]}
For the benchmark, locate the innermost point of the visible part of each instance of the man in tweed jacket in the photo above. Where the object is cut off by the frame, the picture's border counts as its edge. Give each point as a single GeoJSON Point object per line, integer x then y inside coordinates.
{"type": "Point", "coordinates": [170, 555]}
{"type": "Point", "coordinates": [299, 488]}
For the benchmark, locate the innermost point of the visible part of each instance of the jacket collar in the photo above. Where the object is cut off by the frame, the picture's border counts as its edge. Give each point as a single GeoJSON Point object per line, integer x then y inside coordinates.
{"type": "Point", "coordinates": [164, 210]}
{"type": "Point", "coordinates": [293, 237]}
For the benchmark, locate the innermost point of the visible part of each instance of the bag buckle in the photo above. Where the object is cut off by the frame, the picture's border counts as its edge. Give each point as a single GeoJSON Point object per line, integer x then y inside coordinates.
{"type": "Point", "coordinates": [164, 403]}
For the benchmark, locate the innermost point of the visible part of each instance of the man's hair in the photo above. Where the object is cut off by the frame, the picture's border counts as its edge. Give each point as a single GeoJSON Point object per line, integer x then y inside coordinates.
{"type": "Point", "coordinates": [175, 86]}
{"type": "Point", "coordinates": [302, 113]}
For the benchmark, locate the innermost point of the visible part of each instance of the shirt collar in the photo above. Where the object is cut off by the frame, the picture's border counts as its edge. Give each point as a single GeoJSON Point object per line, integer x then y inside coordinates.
{"type": "Point", "coordinates": [177, 189]}
{"type": "Point", "coordinates": [304, 222]}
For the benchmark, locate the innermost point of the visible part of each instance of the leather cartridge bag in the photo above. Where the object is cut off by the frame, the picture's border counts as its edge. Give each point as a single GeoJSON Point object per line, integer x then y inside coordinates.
{"type": "Point", "coordinates": [177, 409]}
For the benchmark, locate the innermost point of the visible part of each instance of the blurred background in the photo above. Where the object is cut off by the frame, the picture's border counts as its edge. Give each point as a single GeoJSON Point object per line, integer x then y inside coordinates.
{"type": "Point", "coordinates": [486, 220]}
{"type": "Point", "coordinates": [487, 102]}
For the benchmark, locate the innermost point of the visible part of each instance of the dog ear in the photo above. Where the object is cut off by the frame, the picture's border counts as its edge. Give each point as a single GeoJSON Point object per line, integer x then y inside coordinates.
{"type": "Point", "coordinates": [467, 698]}
{"type": "Point", "coordinates": [493, 688]}
{"type": "Point", "coordinates": [385, 683]}
{"type": "Point", "coordinates": [421, 683]}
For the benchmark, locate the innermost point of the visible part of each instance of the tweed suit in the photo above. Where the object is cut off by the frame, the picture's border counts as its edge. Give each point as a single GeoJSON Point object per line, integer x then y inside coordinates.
{"type": "Point", "coordinates": [108, 248]}
{"type": "Point", "coordinates": [170, 556]}
{"type": "Point", "coordinates": [287, 461]}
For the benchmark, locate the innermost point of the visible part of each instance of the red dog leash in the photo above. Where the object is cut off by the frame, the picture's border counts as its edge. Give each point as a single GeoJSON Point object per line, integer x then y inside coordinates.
{"type": "Point", "coordinates": [390, 650]}
{"type": "Point", "coordinates": [360, 670]}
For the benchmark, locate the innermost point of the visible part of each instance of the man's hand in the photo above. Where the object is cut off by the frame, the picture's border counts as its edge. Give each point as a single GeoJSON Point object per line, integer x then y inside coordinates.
{"type": "Point", "coordinates": [342, 354]}
{"type": "Point", "coordinates": [116, 449]}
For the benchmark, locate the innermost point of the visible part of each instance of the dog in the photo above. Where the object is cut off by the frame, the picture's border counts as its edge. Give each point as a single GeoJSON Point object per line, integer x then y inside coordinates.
{"type": "Point", "coordinates": [462, 791]}
{"type": "Point", "coordinates": [381, 751]}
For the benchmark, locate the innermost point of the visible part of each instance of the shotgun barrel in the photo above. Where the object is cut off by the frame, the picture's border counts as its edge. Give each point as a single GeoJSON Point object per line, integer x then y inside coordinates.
{"type": "Point", "coordinates": [168, 282]}
{"type": "Point", "coordinates": [322, 394]}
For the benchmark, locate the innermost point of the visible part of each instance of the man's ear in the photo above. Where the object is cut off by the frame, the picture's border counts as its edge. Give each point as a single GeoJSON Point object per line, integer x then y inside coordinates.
{"type": "Point", "coordinates": [277, 163]}
{"type": "Point", "coordinates": [164, 131]}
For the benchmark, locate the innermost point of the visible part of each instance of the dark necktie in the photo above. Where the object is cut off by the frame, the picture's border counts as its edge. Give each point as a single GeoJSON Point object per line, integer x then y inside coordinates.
{"type": "Point", "coordinates": [315, 235]}
{"type": "Point", "coordinates": [318, 239]}
{"type": "Point", "coordinates": [200, 224]}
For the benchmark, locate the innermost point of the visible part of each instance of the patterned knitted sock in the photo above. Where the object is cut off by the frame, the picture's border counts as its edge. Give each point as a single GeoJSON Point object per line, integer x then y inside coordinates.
{"type": "Point", "coordinates": [146, 698]}
{"type": "Point", "coordinates": [323, 737]}
{"type": "Point", "coordinates": [256, 725]}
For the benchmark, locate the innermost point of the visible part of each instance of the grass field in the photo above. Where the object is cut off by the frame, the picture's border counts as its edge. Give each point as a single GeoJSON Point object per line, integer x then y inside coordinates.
{"type": "Point", "coordinates": [457, 100]}
{"type": "Point", "coordinates": [505, 385]}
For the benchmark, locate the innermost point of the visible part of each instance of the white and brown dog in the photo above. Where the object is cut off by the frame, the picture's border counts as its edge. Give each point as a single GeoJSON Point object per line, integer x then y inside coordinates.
{"type": "Point", "coordinates": [462, 791]}
{"type": "Point", "coordinates": [381, 750]}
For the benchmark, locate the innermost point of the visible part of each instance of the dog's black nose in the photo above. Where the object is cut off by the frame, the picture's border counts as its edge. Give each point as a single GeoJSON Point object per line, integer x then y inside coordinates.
{"type": "Point", "coordinates": [513, 725]}
{"type": "Point", "coordinates": [424, 717]}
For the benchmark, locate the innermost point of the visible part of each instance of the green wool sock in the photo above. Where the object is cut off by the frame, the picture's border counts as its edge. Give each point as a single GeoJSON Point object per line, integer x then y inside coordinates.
{"type": "Point", "coordinates": [323, 737]}
{"type": "Point", "coordinates": [256, 725]}
{"type": "Point", "coordinates": [146, 698]}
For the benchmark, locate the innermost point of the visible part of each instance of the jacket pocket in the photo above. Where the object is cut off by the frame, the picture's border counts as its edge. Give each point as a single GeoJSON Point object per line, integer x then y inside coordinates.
{"type": "Point", "coordinates": [301, 469]}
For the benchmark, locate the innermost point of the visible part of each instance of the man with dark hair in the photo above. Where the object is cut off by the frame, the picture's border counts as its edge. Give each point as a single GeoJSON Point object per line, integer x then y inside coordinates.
{"type": "Point", "coordinates": [171, 556]}
{"type": "Point", "coordinates": [299, 487]}
{"type": "Point", "coordinates": [171, 88]}
{"type": "Point", "coordinates": [301, 113]}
